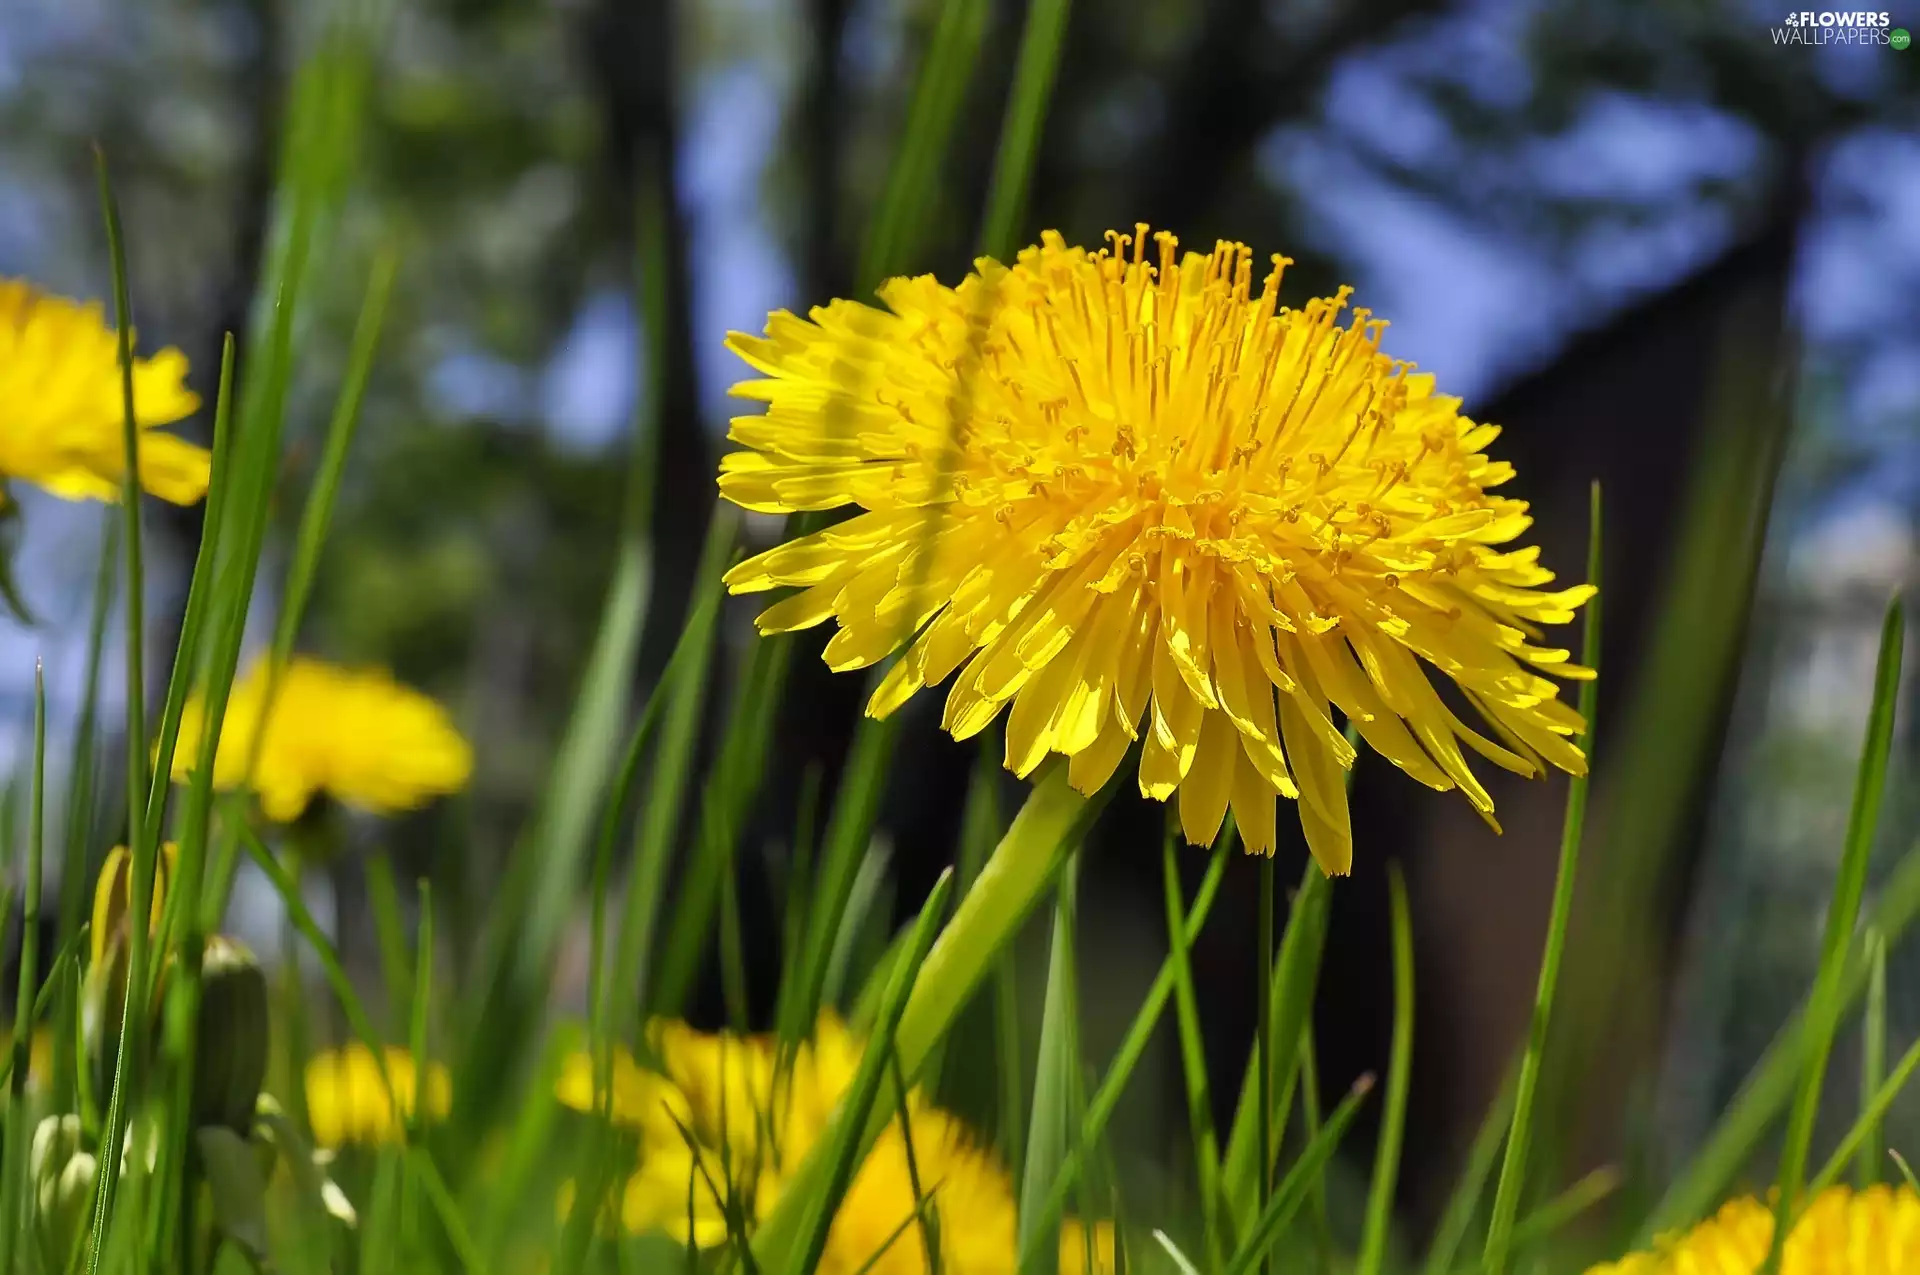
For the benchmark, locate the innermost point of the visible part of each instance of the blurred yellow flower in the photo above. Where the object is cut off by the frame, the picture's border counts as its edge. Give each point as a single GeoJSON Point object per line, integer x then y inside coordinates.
{"type": "Point", "coordinates": [1145, 503]}
{"type": "Point", "coordinates": [64, 425]}
{"type": "Point", "coordinates": [348, 1103]}
{"type": "Point", "coordinates": [1843, 1232]}
{"type": "Point", "coordinates": [355, 734]}
{"type": "Point", "coordinates": [753, 1118]}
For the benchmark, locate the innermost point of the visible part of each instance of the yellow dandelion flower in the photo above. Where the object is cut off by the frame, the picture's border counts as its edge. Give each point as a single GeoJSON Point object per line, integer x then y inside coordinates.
{"type": "Point", "coordinates": [353, 733]}
{"type": "Point", "coordinates": [1843, 1232]}
{"type": "Point", "coordinates": [64, 427]}
{"type": "Point", "coordinates": [347, 1102]}
{"type": "Point", "coordinates": [754, 1116]}
{"type": "Point", "coordinates": [1144, 502]}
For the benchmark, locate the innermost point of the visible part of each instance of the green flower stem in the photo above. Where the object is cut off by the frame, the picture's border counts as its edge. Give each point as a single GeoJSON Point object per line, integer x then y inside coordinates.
{"type": "Point", "coordinates": [1513, 1169]}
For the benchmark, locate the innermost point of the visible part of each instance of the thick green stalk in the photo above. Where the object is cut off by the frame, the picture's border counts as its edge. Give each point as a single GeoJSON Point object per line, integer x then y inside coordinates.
{"type": "Point", "coordinates": [1513, 1169]}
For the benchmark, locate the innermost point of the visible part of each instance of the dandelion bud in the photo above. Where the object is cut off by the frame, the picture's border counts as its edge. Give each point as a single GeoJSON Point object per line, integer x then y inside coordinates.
{"type": "Point", "coordinates": [63, 1184]}
{"type": "Point", "coordinates": [231, 1062]}
{"type": "Point", "coordinates": [103, 1001]}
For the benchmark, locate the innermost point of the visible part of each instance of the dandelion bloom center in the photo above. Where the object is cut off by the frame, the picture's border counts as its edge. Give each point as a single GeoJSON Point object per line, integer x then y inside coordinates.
{"type": "Point", "coordinates": [1141, 501]}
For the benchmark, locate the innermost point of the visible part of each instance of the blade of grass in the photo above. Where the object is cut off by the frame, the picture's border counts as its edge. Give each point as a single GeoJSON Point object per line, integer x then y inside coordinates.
{"type": "Point", "coordinates": [733, 958]}
{"type": "Point", "coordinates": [390, 936]}
{"type": "Point", "coordinates": [980, 829]}
{"type": "Point", "coordinates": [500, 1198]}
{"type": "Point", "coordinates": [1291, 989]}
{"type": "Point", "coordinates": [732, 784]}
{"type": "Point", "coordinates": [1866, 1129]}
{"type": "Point", "coordinates": [849, 831]}
{"type": "Point", "coordinates": [1513, 1168]}
{"type": "Point", "coordinates": [1456, 1219]}
{"type": "Point", "coordinates": [1906, 1171]}
{"type": "Point", "coordinates": [1181, 1261]}
{"type": "Point", "coordinates": [1033, 76]}
{"type": "Point", "coordinates": [1028, 858]}
{"type": "Point", "coordinates": [862, 901]}
{"type": "Point", "coordinates": [127, 1066]}
{"type": "Point", "coordinates": [899, 225]}
{"type": "Point", "coordinates": [518, 950]}
{"type": "Point", "coordinates": [1049, 1130]}
{"type": "Point", "coordinates": [610, 820]}
{"type": "Point", "coordinates": [923, 1211]}
{"type": "Point", "coordinates": [1310, 1122]}
{"type": "Point", "coordinates": [419, 1046]}
{"type": "Point", "coordinates": [13, 1172]}
{"type": "Point", "coordinates": [200, 589]}
{"type": "Point", "coordinates": [331, 966]}
{"type": "Point", "coordinates": [667, 781]}
{"type": "Point", "coordinates": [616, 996]}
{"type": "Point", "coordinates": [1193, 1059]}
{"type": "Point", "coordinates": [1563, 1208]}
{"type": "Point", "coordinates": [317, 515]}
{"type": "Point", "coordinates": [1670, 732]}
{"type": "Point", "coordinates": [1873, 1059]}
{"type": "Point", "coordinates": [446, 1208]}
{"type": "Point", "coordinates": [1106, 1097]}
{"type": "Point", "coordinates": [1769, 1086]}
{"type": "Point", "coordinates": [1263, 1047]}
{"type": "Point", "coordinates": [846, 1139]}
{"type": "Point", "coordinates": [1386, 1160]}
{"type": "Point", "coordinates": [1823, 1017]}
{"type": "Point", "coordinates": [1287, 1197]}
{"type": "Point", "coordinates": [77, 858]}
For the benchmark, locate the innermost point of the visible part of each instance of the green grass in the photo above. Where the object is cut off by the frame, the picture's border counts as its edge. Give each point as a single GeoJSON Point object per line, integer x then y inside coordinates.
{"type": "Point", "coordinates": [638, 834]}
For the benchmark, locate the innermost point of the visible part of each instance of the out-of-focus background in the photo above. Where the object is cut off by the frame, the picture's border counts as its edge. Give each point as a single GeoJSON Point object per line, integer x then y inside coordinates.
{"type": "Point", "coordinates": [1674, 248]}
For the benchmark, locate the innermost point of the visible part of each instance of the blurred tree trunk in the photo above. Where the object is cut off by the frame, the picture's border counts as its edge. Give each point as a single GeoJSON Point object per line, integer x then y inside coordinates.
{"type": "Point", "coordinates": [632, 53]}
{"type": "Point", "coordinates": [1642, 406]}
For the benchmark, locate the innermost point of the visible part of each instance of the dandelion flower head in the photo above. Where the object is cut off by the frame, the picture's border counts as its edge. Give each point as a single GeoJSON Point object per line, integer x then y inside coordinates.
{"type": "Point", "coordinates": [727, 1113]}
{"type": "Point", "coordinates": [349, 1102]}
{"type": "Point", "coordinates": [1842, 1232]}
{"type": "Point", "coordinates": [64, 424]}
{"type": "Point", "coordinates": [355, 734]}
{"type": "Point", "coordinates": [1136, 500]}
